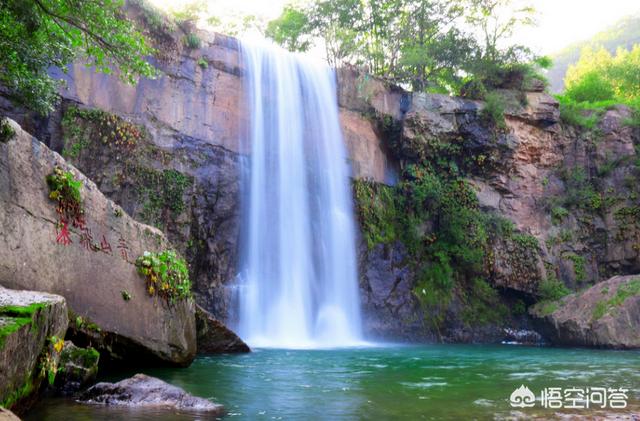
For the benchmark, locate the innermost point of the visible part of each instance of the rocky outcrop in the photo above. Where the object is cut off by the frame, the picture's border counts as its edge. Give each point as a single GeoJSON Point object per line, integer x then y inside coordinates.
{"type": "Point", "coordinates": [78, 367]}
{"type": "Point", "coordinates": [607, 315]}
{"type": "Point", "coordinates": [571, 189]}
{"type": "Point", "coordinates": [145, 392]}
{"type": "Point", "coordinates": [89, 261]}
{"type": "Point", "coordinates": [6, 415]}
{"type": "Point", "coordinates": [213, 337]}
{"type": "Point", "coordinates": [32, 325]}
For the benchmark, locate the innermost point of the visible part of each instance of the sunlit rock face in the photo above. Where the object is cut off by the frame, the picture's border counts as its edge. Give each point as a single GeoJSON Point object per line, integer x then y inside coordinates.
{"type": "Point", "coordinates": [194, 114]}
{"type": "Point", "coordinates": [89, 260]}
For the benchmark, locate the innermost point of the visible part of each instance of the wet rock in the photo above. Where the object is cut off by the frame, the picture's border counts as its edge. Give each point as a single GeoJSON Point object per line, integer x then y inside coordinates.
{"type": "Point", "coordinates": [214, 337]}
{"type": "Point", "coordinates": [606, 315]}
{"type": "Point", "coordinates": [142, 391]}
{"type": "Point", "coordinates": [89, 264]}
{"type": "Point", "coordinates": [32, 325]}
{"type": "Point", "coordinates": [521, 337]}
{"type": "Point", "coordinates": [77, 368]}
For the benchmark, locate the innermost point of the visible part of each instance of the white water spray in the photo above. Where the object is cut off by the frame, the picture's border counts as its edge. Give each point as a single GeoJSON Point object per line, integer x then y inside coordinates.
{"type": "Point", "coordinates": [299, 276]}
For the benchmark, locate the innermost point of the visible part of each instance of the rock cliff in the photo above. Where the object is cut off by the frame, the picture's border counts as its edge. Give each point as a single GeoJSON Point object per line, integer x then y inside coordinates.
{"type": "Point", "coordinates": [560, 201]}
{"type": "Point", "coordinates": [88, 259]}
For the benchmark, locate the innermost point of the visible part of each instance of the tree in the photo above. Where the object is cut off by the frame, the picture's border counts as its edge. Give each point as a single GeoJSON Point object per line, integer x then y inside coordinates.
{"type": "Point", "coordinates": [38, 34]}
{"type": "Point", "coordinates": [291, 30]}
{"type": "Point", "coordinates": [494, 22]}
{"type": "Point", "coordinates": [411, 42]}
{"type": "Point", "coordinates": [600, 76]}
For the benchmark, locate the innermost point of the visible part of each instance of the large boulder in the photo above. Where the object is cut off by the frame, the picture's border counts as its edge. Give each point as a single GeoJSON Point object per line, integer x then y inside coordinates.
{"type": "Point", "coordinates": [606, 315]}
{"type": "Point", "coordinates": [90, 262]}
{"type": "Point", "coordinates": [214, 337]}
{"type": "Point", "coordinates": [78, 367]}
{"type": "Point", "coordinates": [142, 391]}
{"type": "Point", "coordinates": [32, 325]}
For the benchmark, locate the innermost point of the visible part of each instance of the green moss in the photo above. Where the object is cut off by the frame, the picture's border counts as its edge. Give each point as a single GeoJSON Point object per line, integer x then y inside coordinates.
{"type": "Point", "coordinates": [526, 241]}
{"type": "Point", "coordinates": [482, 305]}
{"type": "Point", "coordinates": [552, 289]}
{"type": "Point", "coordinates": [624, 291]}
{"type": "Point", "coordinates": [493, 111]}
{"type": "Point", "coordinates": [579, 265]}
{"type": "Point", "coordinates": [15, 317]}
{"type": "Point", "coordinates": [19, 393]}
{"type": "Point", "coordinates": [376, 208]}
{"type": "Point", "coordinates": [82, 127]}
{"type": "Point", "coordinates": [161, 193]}
{"type": "Point", "coordinates": [546, 308]}
{"type": "Point", "coordinates": [192, 41]}
{"type": "Point", "coordinates": [86, 357]}
{"type": "Point", "coordinates": [6, 131]}
{"type": "Point", "coordinates": [558, 214]}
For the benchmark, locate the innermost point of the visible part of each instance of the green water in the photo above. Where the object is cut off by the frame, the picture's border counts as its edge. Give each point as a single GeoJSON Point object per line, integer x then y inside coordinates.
{"type": "Point", "coordinates": [410, 382]}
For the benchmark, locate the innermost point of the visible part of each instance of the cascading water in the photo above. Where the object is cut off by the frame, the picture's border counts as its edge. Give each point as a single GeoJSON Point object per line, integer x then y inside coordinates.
{"type": "Point", "coordinates": [298, 284]}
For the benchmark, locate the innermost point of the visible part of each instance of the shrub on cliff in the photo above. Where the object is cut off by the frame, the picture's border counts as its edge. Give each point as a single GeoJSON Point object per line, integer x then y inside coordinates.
{"type": "Point", "coordinates": [38, 34]}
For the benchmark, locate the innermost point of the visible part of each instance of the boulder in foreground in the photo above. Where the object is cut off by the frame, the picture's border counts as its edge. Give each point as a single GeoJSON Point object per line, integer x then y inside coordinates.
{"type": "Point", "coordinates": [32, 325]}
{"type": "Point", "coordinates": [88, 257]}
{"type": "Point", "coordinates": [607, 315]}
{"type": "Point", "coordinates": [214, 337]}
{"type": "Point", "coordinates": [142, 391]}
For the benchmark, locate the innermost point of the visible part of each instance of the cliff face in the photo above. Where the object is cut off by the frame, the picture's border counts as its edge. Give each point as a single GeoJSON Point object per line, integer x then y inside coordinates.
{"type": "Point", "coordinates": [170, 151]}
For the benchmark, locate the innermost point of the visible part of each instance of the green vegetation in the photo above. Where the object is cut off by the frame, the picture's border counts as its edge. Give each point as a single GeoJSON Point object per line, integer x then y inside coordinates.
{"type": "Point", "coordinates": [6, 131]}
{"type": "Point", "coordinates": [551, 289]}
{"type": "Point", "coordinates": [624, 33]}
{"type": "Point", "coordinates": [434, 45]}
{"type": "Point", "coordinates": [625, 291]}
{"type": "Point", "coordinates": [438, 220]}
{"type": "Point", "coordinates": [64, 189]}
{"type": "Point", "coordinates": [82, 126]}
{"type": "Point", "coordinates": [558, 214]}
{"type": "Point", "coordinates": [86, 357]}
{"type": "Point", "coordinates": [125, 295]}
{"type": "Point", "coordinates": [203, 63]}
{"type": "Point", "coordinates": [38, 34]}
{"type": "Point", "coordinates": [166, 274]}
{"type": "Point", "coordinates": [493, 111]}
{"type": "Point", "coordinates": [599, 81]}
{"type": "Point", "coordinates": [579, 265]}
{"type": "Point", "coordinates": [192, 41]}
{"type": "Point", "coordinates": [161, 193]}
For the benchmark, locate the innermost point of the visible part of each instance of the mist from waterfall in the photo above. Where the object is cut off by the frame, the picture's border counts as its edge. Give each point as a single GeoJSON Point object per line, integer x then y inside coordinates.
{"type": "Point", "coordinates": [298, 284]}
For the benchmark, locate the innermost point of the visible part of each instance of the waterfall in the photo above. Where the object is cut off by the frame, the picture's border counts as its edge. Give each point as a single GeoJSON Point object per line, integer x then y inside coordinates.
{"type": "Point", "coordinates": [298, 281]}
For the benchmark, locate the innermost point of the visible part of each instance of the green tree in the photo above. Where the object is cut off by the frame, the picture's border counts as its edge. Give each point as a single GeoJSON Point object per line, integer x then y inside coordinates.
{"type": "Point", "coordinates": [291, 29]}
{"type": "Point", "coordinates": [38, 34]}
{"type": "Point", "coordinates": [600, 76]}
{"type": "Point", "coordinates": [413, 42]}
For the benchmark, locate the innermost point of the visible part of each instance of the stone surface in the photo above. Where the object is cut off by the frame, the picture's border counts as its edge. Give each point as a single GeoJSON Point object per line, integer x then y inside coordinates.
{"type": "Point", "coordinates": [28, 322]}
{"type": "Point", "coordinates": [142, 391]}
{"type": "Point", "coordinates": [6, 415]}
{"type": "Point", "coordinates": [606, 315]}
{"type": "Point", "coordinates": [78, 367]}
{"type": "Point", "coordinates": [214, 337]}
{"type": "Point", "coordinates": [194, 117]}
{"type": "Point", "coordinates": [91, 274]}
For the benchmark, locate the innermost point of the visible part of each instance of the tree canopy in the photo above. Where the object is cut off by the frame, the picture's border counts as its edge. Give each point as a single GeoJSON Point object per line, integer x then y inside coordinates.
{"type": "Point", "coordinates": [435, 45]}
{"type": "Point", "coordinates": [600, 76]}
{"type": "Point", "coordinates": [38, 34]}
